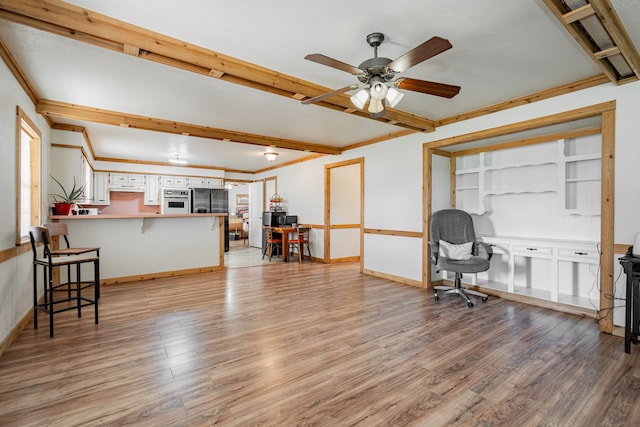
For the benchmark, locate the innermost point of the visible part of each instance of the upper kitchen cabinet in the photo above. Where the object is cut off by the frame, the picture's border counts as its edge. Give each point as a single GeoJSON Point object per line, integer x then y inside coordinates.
{"type": "Point", "coordinates": [69, 164]}
{"type": "Point", "coordinates": [126, 181]}
{"type": "Point", "coordinates": [101, 188]}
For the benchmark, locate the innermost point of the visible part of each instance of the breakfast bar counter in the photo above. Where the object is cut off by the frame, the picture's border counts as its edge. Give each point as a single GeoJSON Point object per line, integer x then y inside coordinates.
{"type": "Point", "coordinates": [145, 246]}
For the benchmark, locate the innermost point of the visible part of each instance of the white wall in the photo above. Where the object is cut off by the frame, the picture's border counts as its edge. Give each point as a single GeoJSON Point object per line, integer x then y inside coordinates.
{"type": "Point", "coordinates": [16, 289]}
{"type": "Point", "coordinates": [393, 176]}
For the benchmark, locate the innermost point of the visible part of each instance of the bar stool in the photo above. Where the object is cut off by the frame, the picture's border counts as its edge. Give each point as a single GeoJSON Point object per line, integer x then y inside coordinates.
{"type": "Point", "coordinates": [300, 242]}
{"type": "Point", "coordinates": [40, 235]}
{"type": "Point", "coordinates": [58, 230]}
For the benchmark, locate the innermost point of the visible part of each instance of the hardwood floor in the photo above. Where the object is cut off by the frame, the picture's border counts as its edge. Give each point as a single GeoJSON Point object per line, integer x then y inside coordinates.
{"type": "Point", "coordinates": [289, 344]}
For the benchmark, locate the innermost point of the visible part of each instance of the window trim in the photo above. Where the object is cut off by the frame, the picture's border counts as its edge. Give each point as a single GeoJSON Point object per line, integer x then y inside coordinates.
{"type": "Point", "coordinates": [23, 122]}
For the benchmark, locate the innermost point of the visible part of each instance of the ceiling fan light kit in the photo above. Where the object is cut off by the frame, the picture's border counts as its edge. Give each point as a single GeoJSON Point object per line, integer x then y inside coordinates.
{"type": "Point", "coordinates": [377, 76]}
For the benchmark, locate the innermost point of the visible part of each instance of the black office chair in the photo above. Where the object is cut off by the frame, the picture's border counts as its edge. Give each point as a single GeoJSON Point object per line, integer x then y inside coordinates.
{"type": "Point", "coordinates": [459, 252]}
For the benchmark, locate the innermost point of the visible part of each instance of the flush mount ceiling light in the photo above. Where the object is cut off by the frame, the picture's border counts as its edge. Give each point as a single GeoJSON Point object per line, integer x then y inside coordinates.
{"type": "Point", "coordinates": [177, 160]}
{"type": "Point", "coordinates": [271, 155]}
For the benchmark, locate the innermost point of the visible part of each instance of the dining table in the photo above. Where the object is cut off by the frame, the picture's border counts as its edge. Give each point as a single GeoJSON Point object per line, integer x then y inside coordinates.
{"type": "Point", "coordinates": [285, 230]}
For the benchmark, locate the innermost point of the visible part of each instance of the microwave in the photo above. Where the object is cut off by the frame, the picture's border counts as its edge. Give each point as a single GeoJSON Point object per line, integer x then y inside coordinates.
{"type": "Point", "coordinates": [272, 219]}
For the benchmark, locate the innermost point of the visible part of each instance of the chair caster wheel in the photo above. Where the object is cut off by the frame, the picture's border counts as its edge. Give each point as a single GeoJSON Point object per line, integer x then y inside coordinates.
{"type": "Point", "coordinates": [470, 304]}
{"type": "Point", "coordinates": [484, 299]}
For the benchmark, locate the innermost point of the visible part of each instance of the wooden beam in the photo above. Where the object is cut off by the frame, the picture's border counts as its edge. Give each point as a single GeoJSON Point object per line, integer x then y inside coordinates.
{"type": "Point", "coordinates": [90, 27]}
{"type": "Point", "coordinates": [611, 22]}
{"type": "Point", "coordinates": [96, 115]}
{"type": "Point", "coordinates": [578, 14]}
{"type": "Point", "coordinates": [608, 18]}
{"type": "Point", "coordinates": [528, 99]}
{"type": "Point", "coordinates": [605, 53]}
{"type": "Point", "coordinates": [541, 122]}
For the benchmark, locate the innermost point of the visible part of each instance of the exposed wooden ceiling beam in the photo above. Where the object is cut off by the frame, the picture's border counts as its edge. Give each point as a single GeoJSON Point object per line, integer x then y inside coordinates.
{"type": "Point", "coordinates": [611, 22]}
{"type": "Point", "coordinates": [96, 115]}
{"type": "Point", "coordinates": [607, 17]}
{"type": "Point", "coordinates": [90, 27]}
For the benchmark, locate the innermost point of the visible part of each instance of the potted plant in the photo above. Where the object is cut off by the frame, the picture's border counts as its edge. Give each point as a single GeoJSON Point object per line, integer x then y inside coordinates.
{"type": "Point", "coordinates": [62, 202]}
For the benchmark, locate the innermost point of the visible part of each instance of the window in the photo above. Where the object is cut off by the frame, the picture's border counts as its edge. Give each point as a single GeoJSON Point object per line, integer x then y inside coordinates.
{"type": "Point", "coordinates": [28, 176]}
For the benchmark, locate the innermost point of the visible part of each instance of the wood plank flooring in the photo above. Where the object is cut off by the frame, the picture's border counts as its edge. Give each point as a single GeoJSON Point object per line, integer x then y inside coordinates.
{"type": "Point", "coordinates": [313, 344]}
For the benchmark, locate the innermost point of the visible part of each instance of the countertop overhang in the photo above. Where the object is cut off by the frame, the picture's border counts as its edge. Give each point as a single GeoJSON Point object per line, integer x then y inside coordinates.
{"type": "Point", "coordinates": [133, 216]}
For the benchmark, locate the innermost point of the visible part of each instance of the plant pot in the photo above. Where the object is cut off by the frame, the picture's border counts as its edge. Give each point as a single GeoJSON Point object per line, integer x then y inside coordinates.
{"type": "Point", "coordinates": [62, 208]}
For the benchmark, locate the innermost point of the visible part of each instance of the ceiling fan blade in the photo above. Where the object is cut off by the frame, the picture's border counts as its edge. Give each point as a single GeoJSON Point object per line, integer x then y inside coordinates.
{"type": "Point", "coordinates": [329, 94]}
{"type": "Point", "coordinates": [333, 63]}
{"type": "Point", "coordinates": [431, 88]}
{"type": "Point", "coordinates": [428, 49]}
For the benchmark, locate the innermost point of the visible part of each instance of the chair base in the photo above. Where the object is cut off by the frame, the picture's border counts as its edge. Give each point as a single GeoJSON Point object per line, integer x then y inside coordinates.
{"type": "Point", "coordinates": [459, 291]}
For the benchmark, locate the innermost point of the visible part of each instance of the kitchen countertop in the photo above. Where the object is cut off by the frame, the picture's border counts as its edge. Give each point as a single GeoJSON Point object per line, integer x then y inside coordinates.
{"type": "Point", "coordinates": [145, 216]}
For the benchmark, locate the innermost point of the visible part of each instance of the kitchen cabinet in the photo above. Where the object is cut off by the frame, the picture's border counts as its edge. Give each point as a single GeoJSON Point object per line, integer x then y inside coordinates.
{"type": "Point", "coordinates": [174, 181]}
{"type": "Point", "coordinates": [197, 182]}
{"type": "Point", "coordinates": [214, 183]}
{"type": "Point", "coordinates": [130, 181]}
{"type": "Point", "coordinates": [101, 188]}
{"type": "Point", "coordinates": [152, 190]}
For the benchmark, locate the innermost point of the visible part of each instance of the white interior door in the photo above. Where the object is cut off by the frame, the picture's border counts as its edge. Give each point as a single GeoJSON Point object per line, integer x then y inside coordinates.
{"type": "Point", "coordinates": [256, 207]}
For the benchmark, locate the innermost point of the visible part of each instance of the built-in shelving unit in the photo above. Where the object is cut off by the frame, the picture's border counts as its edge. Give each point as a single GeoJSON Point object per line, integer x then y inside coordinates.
{"type": "Point", "coordinates": [559, 181]}
{"type": "Point", "coordinates": [568, 167]}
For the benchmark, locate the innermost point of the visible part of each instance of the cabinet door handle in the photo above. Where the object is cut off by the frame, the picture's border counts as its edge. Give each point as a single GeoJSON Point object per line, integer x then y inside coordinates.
{"type": "Point", "coordinates": [532, 249]}
{"type": "Point", "coordinates": [581, 253]}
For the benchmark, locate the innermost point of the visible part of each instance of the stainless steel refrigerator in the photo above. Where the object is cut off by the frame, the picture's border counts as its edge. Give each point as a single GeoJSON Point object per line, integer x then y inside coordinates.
{"type": "Point", "coordinates": [211, 200]}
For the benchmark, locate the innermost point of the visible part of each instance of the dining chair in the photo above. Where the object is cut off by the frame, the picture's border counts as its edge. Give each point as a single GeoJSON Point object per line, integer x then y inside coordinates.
{"type": "Point", "coordinates": [300, 242]}
{"type": "Point", "coordinates": [272, 242]}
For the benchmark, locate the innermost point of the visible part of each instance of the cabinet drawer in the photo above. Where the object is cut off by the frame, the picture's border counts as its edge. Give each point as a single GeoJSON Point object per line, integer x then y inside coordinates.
{"type": "Point", "coordinates": [579, 254]}
{"type": "Point", "coordinates": [498, 247]}
{"type": "Point", "coordinates": [532, 249]}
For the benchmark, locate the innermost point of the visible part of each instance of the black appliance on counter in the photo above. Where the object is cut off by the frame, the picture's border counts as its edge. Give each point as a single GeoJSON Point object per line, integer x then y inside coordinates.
{"type": "Point", "coordinates": [273, 219]}
{"type": "Point", "coordinates": [212, 200]}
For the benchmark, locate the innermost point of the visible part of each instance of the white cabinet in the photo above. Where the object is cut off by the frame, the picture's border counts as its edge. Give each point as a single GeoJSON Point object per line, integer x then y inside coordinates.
{"type": "Point", "coordinates": [174, 181]}
{"type": "Point", "coordinates": [202, 182]}
{"type": "Point", "coordinates": [562, 271]}
{"type": "Point", "coordinates": [152, 190]}
{"type": "Point", "coordinates": [101, 188]}
{"type": "Point", "coordinates": [130, 181]}
{"type": "Point", "coordinates": [196, 182]}
{"type": "Point", "coordinates": [214, 183]}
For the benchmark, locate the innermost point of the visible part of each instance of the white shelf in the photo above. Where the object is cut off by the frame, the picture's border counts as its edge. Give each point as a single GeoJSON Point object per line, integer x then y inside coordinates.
{"type": "Point", "coordinates": [569, 167]}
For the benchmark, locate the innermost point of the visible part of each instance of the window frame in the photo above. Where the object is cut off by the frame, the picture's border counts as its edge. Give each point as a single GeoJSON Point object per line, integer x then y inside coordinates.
{"type": "Point", "coordinates": [24, 123]}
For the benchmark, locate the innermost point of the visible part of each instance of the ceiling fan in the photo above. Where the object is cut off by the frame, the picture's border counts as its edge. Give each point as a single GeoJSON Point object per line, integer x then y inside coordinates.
{"type": "Point", "coordinates": [379, 79]}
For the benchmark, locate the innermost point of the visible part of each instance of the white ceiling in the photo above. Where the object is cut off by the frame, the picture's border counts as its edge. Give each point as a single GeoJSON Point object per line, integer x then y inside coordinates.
{"type": "Point", "coordinates": [501, 50]}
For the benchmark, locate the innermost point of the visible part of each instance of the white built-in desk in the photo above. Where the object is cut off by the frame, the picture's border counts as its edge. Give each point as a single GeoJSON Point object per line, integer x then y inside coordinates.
{"type": "Point", "coordinates": [560, 271]}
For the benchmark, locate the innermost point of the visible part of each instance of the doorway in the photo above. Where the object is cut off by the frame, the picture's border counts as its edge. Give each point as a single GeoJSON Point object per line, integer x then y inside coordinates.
{"type": "Point", "coordinates": [344, 211]}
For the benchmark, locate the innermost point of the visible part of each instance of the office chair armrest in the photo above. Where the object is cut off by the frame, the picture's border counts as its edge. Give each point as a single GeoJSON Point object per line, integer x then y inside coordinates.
{"type": "Point", "coordinates": [434, 251]}
{"type": "Point", "coordinates": [484, 250]}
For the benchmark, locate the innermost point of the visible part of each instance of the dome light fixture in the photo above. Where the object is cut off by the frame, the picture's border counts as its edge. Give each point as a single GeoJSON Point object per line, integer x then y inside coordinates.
{"type": "Point", "coordinates": [271, 155]}
{"type": "Point", "coordinates": [177, 160]}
